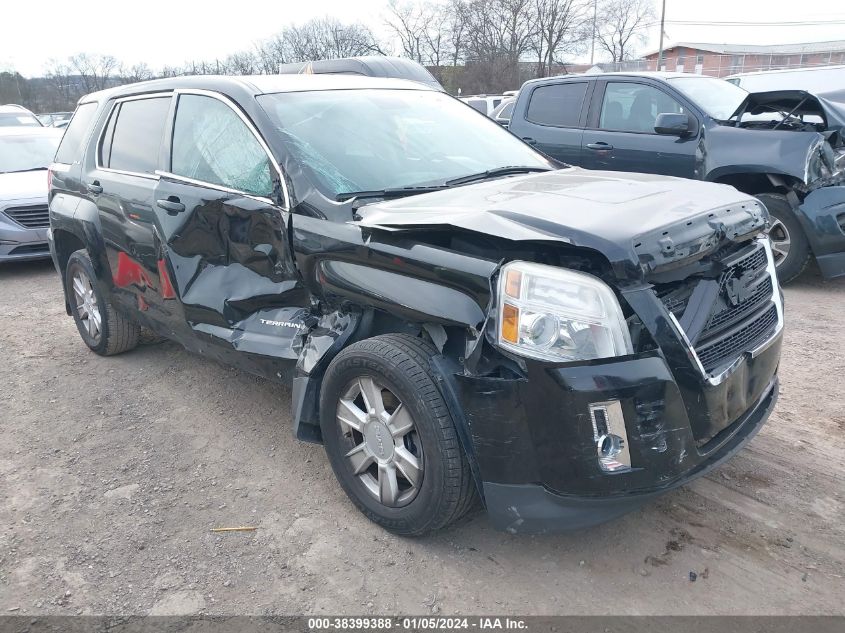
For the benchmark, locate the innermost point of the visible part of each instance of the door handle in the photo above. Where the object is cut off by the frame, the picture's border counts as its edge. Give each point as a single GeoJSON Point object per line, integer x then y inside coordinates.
{"type": "Point", "coordinates": [172, 205]}
{"type": "Point", "coordinates": [529, 140]}
{"type": "Point", "coordinates": [94, 187]}
{"type": "Point", "coordinates": [599, 145]}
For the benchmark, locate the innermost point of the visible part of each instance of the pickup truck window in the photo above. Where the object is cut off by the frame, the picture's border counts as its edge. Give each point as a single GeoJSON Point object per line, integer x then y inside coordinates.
{"type": "Point", "coordinates": [633, 107]}
{"type": "Point", "coordinates": [211, 144]}
{"type": "Point", "coordinates": [136, 128]}
{"type": "Point", "coordinates": [557, 105]}
{"type": "Point", "coordinates": [374, 139]}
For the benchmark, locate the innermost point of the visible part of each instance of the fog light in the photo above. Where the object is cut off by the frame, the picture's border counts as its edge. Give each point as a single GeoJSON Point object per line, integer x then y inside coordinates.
{"type": "Point", "coordinates": [609, 445]}
{"type": "Point", "coordinates": [610, 436]}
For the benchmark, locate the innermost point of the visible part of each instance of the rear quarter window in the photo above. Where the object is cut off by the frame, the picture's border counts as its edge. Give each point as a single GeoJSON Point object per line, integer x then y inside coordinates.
{"type": "Point", "coordinates": [70, 149]}
{"type": "Point", "coordinates": [557, 105]}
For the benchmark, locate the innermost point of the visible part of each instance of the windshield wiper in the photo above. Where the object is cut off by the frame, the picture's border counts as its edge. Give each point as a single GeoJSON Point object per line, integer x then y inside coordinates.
{"type": "Point", "coordinates": [396, 192]}
{"type": "Point", "coordinates": [492, 173]}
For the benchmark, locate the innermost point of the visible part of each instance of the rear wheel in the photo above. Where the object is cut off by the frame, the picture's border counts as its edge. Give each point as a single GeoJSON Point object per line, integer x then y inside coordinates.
{"type": "Point", "coordinates": [102, 328]}
{"type": "Point", "coordinates": [789, 244]}
{"type": "Point", "coordinates": [390, 438]}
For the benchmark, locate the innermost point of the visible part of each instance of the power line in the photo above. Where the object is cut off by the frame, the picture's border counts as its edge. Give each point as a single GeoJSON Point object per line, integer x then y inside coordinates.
{"type": "Point", "coordinates": [764, 24]}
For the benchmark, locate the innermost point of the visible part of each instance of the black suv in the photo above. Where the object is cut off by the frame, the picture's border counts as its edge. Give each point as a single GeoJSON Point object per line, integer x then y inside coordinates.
{"type": "Point", "coordinates": [456, 317]}
{"type": "Point", "coordinates": [787, 148]}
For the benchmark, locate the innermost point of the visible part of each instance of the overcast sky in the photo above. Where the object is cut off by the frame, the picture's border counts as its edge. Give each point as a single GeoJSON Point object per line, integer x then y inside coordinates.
{"type": "Point", "coordinates": [170, 32]}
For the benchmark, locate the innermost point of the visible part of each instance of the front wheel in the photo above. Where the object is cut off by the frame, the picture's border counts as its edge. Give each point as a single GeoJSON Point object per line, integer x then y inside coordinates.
{"type": "Point", "coordinates": [789, 244]}
{"type": "Point", "coordinates": [390, 438]}
{"type": "Point", "coordinates": [103, 329]}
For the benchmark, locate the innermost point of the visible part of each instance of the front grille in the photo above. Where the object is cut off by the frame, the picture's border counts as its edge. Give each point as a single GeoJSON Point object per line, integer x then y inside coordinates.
{"type": "Point", "coordinates": [31, 249]}
{"type": "Point", "coordinates": [744, 338]}
{"type": "Point", "coordinates": [32, 217]}
{"type": "Point", "coordinates": [739, 318]}
{"type": "Point", "coordinates": [732, 314]}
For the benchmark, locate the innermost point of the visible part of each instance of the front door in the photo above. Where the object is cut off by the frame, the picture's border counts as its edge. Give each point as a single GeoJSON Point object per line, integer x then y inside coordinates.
{"type": "Point", "coordinates": [222, 209]}
{"type": "Point", "coordinates": [624, 138]}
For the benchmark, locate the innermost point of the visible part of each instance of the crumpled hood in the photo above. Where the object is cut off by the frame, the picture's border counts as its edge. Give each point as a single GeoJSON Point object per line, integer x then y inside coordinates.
{"type": "Point", "coordinates": [830, 105]}
{"type": "Point", "coordinates": [23, 185]}
{"type": "Point", "coordinates": [639, 222]}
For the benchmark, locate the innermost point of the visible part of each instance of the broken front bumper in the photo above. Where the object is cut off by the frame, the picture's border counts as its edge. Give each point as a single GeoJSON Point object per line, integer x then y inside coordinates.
{"type": "Point", "coordinates": [533, 441]}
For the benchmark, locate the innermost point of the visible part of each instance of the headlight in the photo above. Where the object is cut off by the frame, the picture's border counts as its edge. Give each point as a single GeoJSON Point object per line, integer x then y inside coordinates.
{"type": "Point", "coordinates": [559, 315]}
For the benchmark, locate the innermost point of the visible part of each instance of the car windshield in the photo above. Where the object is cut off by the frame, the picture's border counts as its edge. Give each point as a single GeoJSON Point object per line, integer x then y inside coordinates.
{"type": "Point", "coordinates": [14, 119]}
{"type": "Point", "coordinates": [370, 140]}
{"type": "Point", "coordinates": [25, 152]}
{"type": "Point", "coordinates": [717, 97]}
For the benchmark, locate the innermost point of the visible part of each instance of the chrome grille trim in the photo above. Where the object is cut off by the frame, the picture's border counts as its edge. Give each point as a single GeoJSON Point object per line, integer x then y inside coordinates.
{"type": "Point", "coordinates": [776, 300]}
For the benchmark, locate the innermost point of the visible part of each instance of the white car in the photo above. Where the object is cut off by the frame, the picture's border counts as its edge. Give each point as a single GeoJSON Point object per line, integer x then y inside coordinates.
{"type": "Point", "coordinates": [815, 80]}
{"type": "Point", "coordinates": [25, 154]}
{"type": "Point", "coordinates": [13, 115]}
{"type": "Point", "coordinates": [484, 103]}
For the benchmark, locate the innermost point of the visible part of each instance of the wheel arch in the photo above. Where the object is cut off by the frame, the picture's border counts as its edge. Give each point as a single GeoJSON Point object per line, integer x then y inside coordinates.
{"type": "Point", "coordinates": [756, 182]}
{"type": "Point", "coordinates": [340, 329]}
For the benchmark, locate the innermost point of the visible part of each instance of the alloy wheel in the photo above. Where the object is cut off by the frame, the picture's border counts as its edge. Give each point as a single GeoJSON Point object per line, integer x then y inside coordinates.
{"type": "Point", "coordinates": [87, 308]}
{"type": "Point", "coordinates": [781, 242]}
{"type": "Point", "coordinates": [384, 449]}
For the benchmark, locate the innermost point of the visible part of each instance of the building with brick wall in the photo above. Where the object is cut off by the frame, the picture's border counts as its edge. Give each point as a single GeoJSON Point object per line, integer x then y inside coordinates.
{"type": "Point", "coordinates": [720, 60]}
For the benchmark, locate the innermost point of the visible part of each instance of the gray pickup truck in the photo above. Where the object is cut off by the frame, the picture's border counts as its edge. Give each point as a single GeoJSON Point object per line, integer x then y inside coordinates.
{"type": "Point", "coordinates": [787, 148]}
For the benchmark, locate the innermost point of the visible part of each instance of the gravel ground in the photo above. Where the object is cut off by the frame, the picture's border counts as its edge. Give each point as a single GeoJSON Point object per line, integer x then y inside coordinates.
{"type": "Point", "coordinates": [114, 470]}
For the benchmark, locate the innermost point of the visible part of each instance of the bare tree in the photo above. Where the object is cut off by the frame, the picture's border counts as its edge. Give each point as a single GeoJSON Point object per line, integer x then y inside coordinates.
{"type": "Point", "coordinates": [621, 25]}
{"type": "Point", "coordinates": [135, 73]}
{"type": "Point", "coordinates": [407, 20]}
{"type": "Point", "coordinates": [320, 38]}
{"type": "Point", "coordinates": [456, 29]}
{"type": "Point", "coordinates": [562, 27]}
{"type": "Point", "coordinates": [243, 63]}
{"type": "Point", "coordinates": [499, 34]}
{"type": "Point", "coordinates": [94, 71]}
{"type": "Point", "coordinates": [64, 88]}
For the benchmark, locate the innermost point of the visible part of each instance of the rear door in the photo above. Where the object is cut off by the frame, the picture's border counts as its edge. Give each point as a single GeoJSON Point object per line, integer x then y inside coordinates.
{"type": "Point", "coordinates": [620, 132]}
{"type": "Point", "coordinates": [122, 184]}
{"type": "Point", "coordinates": [223, 209]}
{"type": "Point", "coordinates": [554, 117]}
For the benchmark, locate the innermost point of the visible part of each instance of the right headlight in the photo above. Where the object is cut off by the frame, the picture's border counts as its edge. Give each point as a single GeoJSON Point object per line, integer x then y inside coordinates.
{"type": "Point", "coordinates": [559, 315]}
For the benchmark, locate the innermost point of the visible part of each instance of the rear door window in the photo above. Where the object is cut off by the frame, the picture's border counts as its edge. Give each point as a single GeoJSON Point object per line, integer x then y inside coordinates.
{"type": "Point", "coordinates": [132, 140]}
{"type": "Point", "coordinates": [70, 148]}
{"type": "Point", "coordinates": [212, 144]}
{"type": "Point", "coordinates": [557, 105]}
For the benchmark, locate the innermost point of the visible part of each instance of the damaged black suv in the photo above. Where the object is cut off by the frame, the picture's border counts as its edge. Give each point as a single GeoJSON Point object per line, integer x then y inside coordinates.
{"type": "Point", "coordinates": [458, 317]}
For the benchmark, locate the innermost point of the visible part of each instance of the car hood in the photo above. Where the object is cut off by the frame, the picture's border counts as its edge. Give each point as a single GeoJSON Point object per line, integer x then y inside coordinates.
{"type": "Point", "coordinates": [639, 222]}
{"type": "Point", "coordinates": [830, 105]}
{"type": "Point", "coordinates": [23, 185]}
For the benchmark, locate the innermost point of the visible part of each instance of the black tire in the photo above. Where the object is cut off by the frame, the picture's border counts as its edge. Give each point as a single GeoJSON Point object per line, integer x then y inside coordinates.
{"type": "Point", "coordinates": [400, 363]}
{"type": "Point", "coordinates": [116, 334]}
{"type": "Point", "coordinates": [793, 264]}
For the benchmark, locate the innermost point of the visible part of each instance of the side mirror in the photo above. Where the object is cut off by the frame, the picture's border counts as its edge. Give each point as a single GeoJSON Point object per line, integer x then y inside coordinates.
{"type": "Point", "coordinates": [672, 124]}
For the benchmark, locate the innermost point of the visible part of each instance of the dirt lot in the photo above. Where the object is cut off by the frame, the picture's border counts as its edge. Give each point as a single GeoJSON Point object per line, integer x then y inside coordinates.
{"type": "Point", "coordinates": [113, 471]}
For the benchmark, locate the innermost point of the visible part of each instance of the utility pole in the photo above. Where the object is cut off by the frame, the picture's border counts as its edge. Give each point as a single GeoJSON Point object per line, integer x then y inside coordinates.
{"type": "Point", "coordinates": [660, 49]}
{"type": "Point", "coordinates": [593, 43]}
